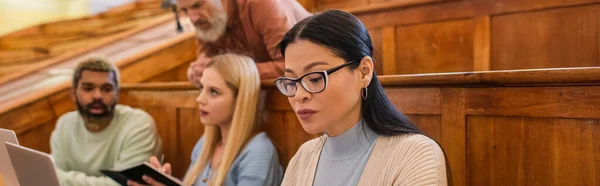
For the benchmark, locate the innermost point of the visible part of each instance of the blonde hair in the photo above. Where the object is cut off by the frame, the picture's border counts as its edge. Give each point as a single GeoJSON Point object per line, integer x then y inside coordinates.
{"type": "Point", "coordinates": [241, 75]}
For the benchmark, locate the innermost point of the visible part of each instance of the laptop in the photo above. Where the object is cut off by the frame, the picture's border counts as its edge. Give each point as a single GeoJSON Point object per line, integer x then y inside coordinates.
{"type": "Point", "coordinates": [32, 167]}
{"type": "Point", "coordinates": [7, 174]}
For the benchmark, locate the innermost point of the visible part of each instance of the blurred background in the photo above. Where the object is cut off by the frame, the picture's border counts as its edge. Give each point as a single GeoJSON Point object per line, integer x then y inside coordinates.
{"type": "Point", "coordinates": [19, 14]}
{"type": "Point", "coordinates": [510, 88]}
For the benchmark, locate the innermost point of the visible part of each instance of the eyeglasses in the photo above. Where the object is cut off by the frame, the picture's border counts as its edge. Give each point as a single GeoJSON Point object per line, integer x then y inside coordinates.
{"type": "Point", "coordinates": [313, 82]}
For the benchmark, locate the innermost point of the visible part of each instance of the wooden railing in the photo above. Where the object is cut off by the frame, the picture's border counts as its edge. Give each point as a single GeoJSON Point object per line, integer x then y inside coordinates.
{"type": "Point", "coordinates": [40, 46]}
{"type": "Point", "coordinates": [433, 36]}
{"type": "Point", "coordinates": [529, 127]}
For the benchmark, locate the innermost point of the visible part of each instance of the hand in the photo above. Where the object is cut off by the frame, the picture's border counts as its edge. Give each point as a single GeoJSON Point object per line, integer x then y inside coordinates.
{"type": "Point", "coordinates": [194, 72]}
{"type": "Point", "coordinates": [147, 179]}
{"type": "Point", "coordinates": [166, 169]}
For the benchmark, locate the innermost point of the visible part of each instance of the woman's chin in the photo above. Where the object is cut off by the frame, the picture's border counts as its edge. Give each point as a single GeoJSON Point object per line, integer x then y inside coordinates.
{"type": "Point", "coordinates": [311, 128]}
{"type": "Point", "coordinates": [207, 122]}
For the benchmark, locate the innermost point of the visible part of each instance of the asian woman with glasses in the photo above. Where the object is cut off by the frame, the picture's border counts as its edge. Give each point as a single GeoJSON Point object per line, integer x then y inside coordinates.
{"type": "Point", "coordinates": [332, 87]}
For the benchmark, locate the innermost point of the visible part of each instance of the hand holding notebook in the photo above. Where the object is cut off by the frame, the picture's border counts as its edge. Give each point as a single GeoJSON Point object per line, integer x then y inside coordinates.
{"type": "Point", "coordinates": [153, 172]}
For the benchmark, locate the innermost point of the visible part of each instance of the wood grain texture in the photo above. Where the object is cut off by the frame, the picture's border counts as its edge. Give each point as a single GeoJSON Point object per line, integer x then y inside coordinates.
{"type": "Point", "coordinates": [492, 133]}
{"type": "Point", "coordinates": [563, 102]}
{"type": "Point", "coordinates": [158, 60]}
{"type": "Point", "coordinates": [416, 100]}
{"type": "Point", "coordinates": [431, 125]}
{"type": "Point", "coordinates": [481, 44]}
{"type": "Point", "coordinates": [309, 5]}
{"type": "Point", "coordinates": [507, 78]}
{"type": "Point", "coordinates": [190, 129]}
{"type": "Point", "coordinates": [338, 4]}
{"type": "Point", "coordinates": [28, 117]}
{"type": "Point", "coordinates": [164, 118]}
{"type": "Point", "coordinates": [388, 51]}
{"type": "Point", "coordinates": [532, 151]}
{"type": "Point", "coordinates": [38, 137]}
{"type": "Point", "coordinates": [177, 74]}
{"type": "Point", "coordinates": [435, 47]}
{"type": "Point", "coordinates": [378, 40]}
{"type": "Point", "coordinates": [84, 49]}
{"type": "Point", "coordinates": [381, 5]}
{"type": "Point", "coordinates": [563, 37]}
{"type": "Point", "coordinates": [454, 10]}
{"type": "Point", "coordinates": [454, 134]}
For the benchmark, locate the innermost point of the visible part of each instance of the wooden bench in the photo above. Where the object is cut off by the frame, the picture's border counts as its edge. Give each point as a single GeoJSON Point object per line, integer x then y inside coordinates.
{"type": "Point", "coordinates": [531, 127]}
{"type": "Point", "coordinates": [433, 36]}
{"type": "Point", "coordinates": [26, 49]}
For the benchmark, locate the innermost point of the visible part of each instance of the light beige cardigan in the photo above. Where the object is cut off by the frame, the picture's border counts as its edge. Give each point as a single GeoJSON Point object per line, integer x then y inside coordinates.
{"type": "Point", "coordinates": [411, 159]}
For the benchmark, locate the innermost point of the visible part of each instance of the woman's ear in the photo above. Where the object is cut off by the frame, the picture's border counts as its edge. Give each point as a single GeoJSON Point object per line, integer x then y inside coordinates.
{"type": "Point", "coordinates": [366, 70]}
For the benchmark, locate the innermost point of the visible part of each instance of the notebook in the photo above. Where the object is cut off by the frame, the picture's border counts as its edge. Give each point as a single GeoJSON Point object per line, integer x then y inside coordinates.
{"type": "Point", "coordinates": [7, 173]}
{"type": "Point", "coordinates": [135, 173]}
{"type": "Point", "coordinates": [33, 168]}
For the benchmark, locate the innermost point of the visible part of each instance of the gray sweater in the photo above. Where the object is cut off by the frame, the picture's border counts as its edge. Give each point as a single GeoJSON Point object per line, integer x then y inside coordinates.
{"type": "Point", "coordinates": [344, 157]}
{"type": "Point", "coordinates": [257, 164]}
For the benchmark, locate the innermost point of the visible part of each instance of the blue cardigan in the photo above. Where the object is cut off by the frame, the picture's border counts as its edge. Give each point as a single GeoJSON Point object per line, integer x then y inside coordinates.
{"type": "Point", "coordinates": [257, 164]}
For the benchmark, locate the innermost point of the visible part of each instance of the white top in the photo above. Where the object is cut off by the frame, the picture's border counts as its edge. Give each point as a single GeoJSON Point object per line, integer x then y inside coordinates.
{"type": "Point", "coordinates": [130, 139]}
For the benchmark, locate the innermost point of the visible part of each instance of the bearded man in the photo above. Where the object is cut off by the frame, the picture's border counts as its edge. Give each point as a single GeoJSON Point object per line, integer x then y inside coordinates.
{"type": "Point", "coordinates": [248, 27]}
{"type": "Point", "coordinates": [101, 134]}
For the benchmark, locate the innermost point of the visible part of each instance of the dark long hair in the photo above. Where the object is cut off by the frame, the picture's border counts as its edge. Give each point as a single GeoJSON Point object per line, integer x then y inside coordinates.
{"type": "Point", "coordinates": [348, 38]}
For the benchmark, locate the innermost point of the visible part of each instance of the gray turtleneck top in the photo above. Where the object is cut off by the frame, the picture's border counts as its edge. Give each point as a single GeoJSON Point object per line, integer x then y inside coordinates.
{"type": "Point", "coordinates": [344, 157]}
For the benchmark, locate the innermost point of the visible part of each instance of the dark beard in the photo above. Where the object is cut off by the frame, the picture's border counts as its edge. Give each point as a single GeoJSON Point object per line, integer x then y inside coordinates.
{"type": "Point", "coordinates": [85, 112]}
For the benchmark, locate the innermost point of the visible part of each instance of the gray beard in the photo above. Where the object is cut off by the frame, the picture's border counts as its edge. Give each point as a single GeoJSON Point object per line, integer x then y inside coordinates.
{"type": "Point", "coordinates": [219, 24]}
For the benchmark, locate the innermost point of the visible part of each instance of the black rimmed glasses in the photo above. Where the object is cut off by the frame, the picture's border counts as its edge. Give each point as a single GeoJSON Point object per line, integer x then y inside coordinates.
{"type": "Point", "coordinates": [313, 82]}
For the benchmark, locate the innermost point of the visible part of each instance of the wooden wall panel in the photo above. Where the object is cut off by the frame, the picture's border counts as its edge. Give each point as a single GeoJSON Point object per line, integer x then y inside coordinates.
{"type": "Point", "coordinates": [338, 4]}
{"type": "Point", "coordinates": [431, 125]}
{"type": "Point", "coordinates": [378, 39]}
{"type": "Point", "coordinates": [435, 47]}
{"type": "Point", "coordinates": [454, 133]}
{"type": "Point", "coordinates": [481, 44]}
{"type": "Point", "coordinates": [159, 62]}
{"type": "Point", "coordinates": [27, 117]}
{"type": "Point", "coordinates": [565, 101]}
{"type": "Point", "coordinates": [503, 35]}
{"type": "Point", "coordinates": [494, 131]}
{"type": "Point", "coordinates": [62, 102]}
{"type": "Point", "coordinates": [190, 129]}
{"type": "Point", "coordinates": [532, 151]}
{"type": "Point", "coordinates": [38, 137]}
{"type": "Point", "coordinates": [176, 74]}
{"type": "Point", "coordinates": [275, 121]}
{"type": "Point", "coordinates": [400, 1]}
{"type": "Point", "coordinates": [165, 119]}
{"type": "Point", "coordinates": [309, 5]}
{"type": "Point", "coordinates": [564, 37]}
{"type": "Point", "coordinates": [181, 99]}
{"type": "Point", "coordinates": [416, 100]}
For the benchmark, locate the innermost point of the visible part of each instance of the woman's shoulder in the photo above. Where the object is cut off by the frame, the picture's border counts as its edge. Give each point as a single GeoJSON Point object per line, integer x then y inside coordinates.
{"type": "Point", "coordinates": [313, 145]}
{"type": "Point", "coordinates": [197, 148]}
{"type": "Point", "coordinates": [260, 143]}
{"type": "Point", "coordinates": [411, 148]}
{"type": "Point", "coordinates": [309, 149]}
{"type": "Point", "coordinates": [412, 141]}
{"type": "Point", "coordinates": [414, 153]}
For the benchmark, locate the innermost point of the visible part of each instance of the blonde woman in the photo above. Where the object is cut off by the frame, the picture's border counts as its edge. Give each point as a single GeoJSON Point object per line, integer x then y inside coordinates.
{"type": "Point", "coordinates": [231, 151]}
